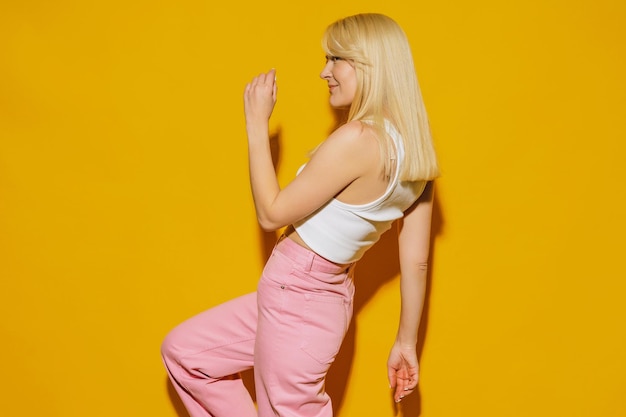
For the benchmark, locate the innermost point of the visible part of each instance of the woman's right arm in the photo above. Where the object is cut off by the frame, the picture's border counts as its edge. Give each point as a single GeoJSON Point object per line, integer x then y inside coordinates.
{"type": "Point", "coordinates": [414, 246]}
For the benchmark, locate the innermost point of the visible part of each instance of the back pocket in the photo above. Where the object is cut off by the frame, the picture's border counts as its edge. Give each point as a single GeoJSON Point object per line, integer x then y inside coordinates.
{"type": "Point", "coordinates": [325, 325]}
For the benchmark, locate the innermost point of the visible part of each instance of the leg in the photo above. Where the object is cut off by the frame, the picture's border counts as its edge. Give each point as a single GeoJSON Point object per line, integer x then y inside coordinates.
{"type": "Point", "coordinates": [204, 355]}
{"type": "Point", "coordinates": [302, 320]}
{"type": "Point", "coordinates": [294, 353]}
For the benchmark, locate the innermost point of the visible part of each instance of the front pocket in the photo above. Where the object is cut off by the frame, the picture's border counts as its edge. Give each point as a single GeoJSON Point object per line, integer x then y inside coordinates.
{"type": "Point", "coordinates": [325, 325]}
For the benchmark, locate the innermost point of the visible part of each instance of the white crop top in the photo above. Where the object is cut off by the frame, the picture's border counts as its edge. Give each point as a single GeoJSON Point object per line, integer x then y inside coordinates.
{"type": "Point", "coordinates": [342, 232]}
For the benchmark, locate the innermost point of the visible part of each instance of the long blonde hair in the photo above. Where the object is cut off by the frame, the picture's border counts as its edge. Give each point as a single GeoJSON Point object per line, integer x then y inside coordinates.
{"type": "Point", "coordinates": [387, 89]}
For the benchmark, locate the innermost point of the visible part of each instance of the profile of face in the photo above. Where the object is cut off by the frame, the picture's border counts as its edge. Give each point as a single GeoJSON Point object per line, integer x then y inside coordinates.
{"type": "Point", "coordinates": [341, 78]}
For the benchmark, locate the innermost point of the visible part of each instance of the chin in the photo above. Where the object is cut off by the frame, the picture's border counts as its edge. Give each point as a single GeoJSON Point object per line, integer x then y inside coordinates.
{"type": "Point", "coordinates": [337, 104]}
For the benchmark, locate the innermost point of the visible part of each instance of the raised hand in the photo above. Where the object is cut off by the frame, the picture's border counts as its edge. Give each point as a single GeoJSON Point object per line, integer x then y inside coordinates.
{"type": "Point", "coordinates": [260, 97]}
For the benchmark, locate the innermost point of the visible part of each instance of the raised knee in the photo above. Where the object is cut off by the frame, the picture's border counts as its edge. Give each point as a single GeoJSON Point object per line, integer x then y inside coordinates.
{"type": "Point", "coordinates": [168, 347]}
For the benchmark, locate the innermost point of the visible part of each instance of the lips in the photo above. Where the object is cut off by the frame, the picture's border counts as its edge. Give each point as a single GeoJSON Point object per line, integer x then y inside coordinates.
{"type": "Point", "coordinates": [332, 87]}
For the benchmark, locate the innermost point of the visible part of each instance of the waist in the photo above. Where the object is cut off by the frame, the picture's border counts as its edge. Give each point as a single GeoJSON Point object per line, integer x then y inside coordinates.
{"type": "Point", "coordinates": [290, 244]}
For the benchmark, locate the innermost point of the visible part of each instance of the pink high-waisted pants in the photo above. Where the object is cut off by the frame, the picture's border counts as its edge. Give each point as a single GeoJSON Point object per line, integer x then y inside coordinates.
{"type": "Point", "coordinates": [290, 331]}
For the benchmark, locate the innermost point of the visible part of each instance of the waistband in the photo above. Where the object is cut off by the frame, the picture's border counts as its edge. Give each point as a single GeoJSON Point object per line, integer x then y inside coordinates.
{"type": "Point", "coordinates": [309, 259]}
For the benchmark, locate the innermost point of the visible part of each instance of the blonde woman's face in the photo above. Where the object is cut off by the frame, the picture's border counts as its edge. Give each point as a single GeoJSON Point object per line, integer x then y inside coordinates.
{"type": "Point", "coordinates": [341, 78]}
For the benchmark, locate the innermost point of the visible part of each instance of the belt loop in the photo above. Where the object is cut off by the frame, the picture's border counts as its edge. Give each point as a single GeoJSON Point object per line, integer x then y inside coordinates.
{"type": "Point", "coordinates": [310, 261]}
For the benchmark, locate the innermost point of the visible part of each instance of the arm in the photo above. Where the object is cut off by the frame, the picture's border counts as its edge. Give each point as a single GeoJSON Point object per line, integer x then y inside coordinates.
{"type": "Point", "coordinates": [414, 243]}
{"type": "Point", "coordinates": [342, 158]}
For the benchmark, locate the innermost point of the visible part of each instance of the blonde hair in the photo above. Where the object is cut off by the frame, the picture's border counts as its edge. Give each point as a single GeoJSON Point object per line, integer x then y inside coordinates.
{"type": "Point", "coordinates": [387, 89]}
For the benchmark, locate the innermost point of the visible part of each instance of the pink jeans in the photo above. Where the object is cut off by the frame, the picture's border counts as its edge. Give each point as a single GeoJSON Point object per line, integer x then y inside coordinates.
{"type": "Point", "coordinates": [290, 331]}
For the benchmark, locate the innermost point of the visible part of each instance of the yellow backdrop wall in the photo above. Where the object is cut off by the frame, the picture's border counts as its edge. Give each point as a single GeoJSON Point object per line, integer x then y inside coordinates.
{"type": "Point", "coordinates": [125, 207]}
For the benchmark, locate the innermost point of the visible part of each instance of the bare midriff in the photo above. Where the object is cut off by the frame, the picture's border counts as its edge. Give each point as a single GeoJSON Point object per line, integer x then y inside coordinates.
{"type": "Point", "coordinates": [291, 233]}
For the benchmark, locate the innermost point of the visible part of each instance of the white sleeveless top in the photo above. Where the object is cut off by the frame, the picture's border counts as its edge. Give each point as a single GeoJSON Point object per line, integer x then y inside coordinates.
{"type": "Point", "coordinates": [342, 232]}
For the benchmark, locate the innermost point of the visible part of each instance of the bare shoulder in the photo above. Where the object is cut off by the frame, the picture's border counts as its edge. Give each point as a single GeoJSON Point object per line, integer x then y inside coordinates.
{"type": "Point", "coordinates": [350, 152]}
{"type": "Point", "coordinates": [353, 130]}
{"type": "Point", "coordinates": [354, 136]}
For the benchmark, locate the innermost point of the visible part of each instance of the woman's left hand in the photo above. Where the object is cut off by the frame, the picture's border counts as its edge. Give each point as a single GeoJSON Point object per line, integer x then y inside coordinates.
{"type": "Point", "coordinates": [260, 97]}
{"type": "Point", "coordinates": [402, 371]}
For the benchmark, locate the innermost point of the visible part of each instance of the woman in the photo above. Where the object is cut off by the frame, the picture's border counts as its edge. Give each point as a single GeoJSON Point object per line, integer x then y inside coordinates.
{"type": "Point", "coordinates": [374, 169]}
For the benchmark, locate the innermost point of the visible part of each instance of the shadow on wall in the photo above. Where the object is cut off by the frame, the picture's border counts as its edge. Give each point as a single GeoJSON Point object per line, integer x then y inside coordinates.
{"type": "Point", "coordinates": [379, 266]}
{"type": "Point", "coordinates": [181, 411]}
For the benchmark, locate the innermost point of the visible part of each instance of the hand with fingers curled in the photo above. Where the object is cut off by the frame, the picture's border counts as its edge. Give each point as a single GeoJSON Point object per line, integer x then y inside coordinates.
{"type": "Point", "coordinates": [260, 98]}
{"type": "Point", "coordinates": [402, 371]}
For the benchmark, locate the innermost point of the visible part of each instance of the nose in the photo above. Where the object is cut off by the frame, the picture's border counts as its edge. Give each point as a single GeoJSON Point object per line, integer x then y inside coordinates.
{"type": "Point", "coordinates": [326, 74]}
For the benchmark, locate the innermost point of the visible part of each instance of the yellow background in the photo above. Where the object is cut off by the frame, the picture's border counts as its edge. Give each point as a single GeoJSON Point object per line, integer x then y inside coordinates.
{"type": "Point", "coordinates": [125, 206]}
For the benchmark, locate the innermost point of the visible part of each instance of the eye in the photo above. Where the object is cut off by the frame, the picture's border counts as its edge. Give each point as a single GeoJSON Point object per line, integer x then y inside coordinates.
{"type": "Point", "coordinates": [333, 58]}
